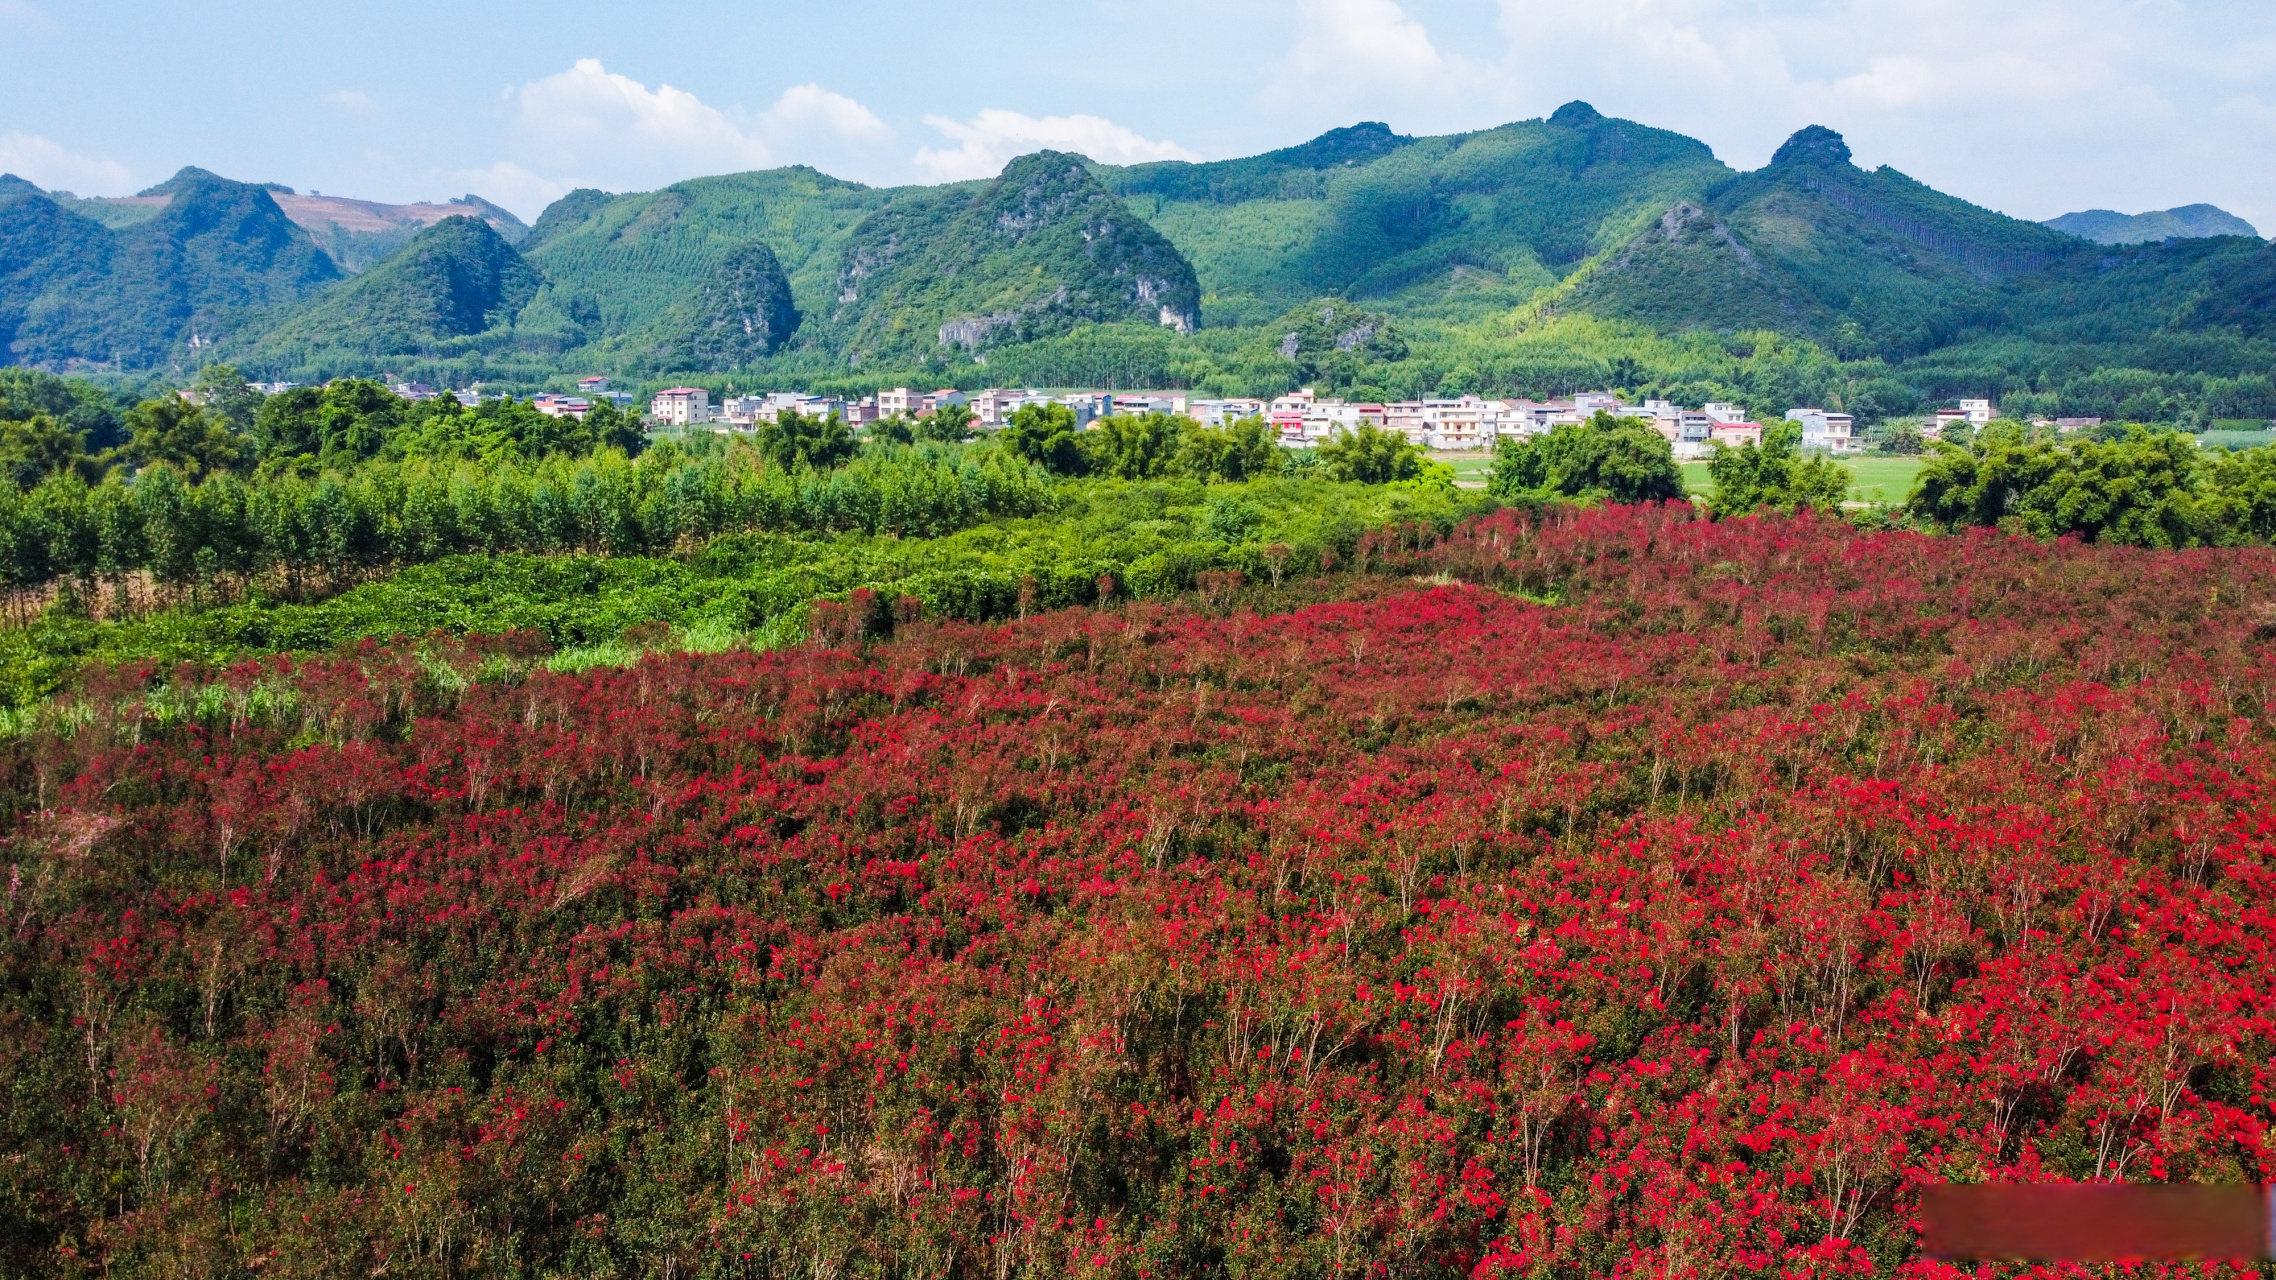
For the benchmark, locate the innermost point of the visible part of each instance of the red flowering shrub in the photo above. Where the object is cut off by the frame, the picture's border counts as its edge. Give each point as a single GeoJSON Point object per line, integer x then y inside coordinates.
{"type": "Point", "coordinates": [1682, 926]}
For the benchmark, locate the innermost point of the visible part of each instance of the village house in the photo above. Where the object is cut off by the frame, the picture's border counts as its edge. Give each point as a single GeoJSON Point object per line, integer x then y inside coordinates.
{"type": "Point", "coordinates": [1222, 413]}
{"type": "Point", "coordinates": [681, 406]}
{"type": "Point", "coordinates": [559, 406]}
{"type": "Point", "coordinates": [1829, 432]}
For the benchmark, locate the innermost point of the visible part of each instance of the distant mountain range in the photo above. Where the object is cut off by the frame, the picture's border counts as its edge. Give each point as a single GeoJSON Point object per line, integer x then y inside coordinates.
{"type": "Point", "coordinates": [2190, 221]}
{"type": "Point", "coordinates": [1575, 213]}
{"type": "Point", "coordinates": [355, 233]}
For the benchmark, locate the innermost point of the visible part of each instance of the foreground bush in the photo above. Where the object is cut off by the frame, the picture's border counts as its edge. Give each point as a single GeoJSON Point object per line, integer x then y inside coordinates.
{"type": "Point", "coordinates": [1680, 928]}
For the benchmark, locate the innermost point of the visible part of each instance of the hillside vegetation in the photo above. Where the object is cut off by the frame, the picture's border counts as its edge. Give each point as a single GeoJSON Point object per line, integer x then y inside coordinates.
{"type": "Point", "coordinates": [2105, 226]}
{"type": "Point", "coordinates": [1531, 259]}
{"type": "Point", "coordinates": [205, 265]}
{"type": "Point", "coordinates": [1032, 253]}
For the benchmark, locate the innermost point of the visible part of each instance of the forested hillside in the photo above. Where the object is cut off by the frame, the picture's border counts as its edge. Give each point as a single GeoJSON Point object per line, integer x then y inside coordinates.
{"type": "Point", "coordinates": [1034, 252]}
{"type": "Point", "coordinates": [1535, 259]}
{"type": "Point", "coordinates": [455, 285]}
{"type": "Point", "coordinates": [218, 258]}
{"type": "Point", "coordinates": [1461, 225]}
{"type": "Point", "coordinates": [2105, 226]}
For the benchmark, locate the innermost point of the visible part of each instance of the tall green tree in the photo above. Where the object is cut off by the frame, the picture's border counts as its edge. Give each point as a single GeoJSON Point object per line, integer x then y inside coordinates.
{"type": "Point", "coordinates": [1138, 447]}
{"type": "Point", "coordinates": [1774, 474]}
{"type": "Point", "coordinates": [1242, 450]}
{"type": "Point", "coordinates": [1369, 454]}
{"type": "Point", "coordinates": [225, 394]}
{"type": "Point", "coordinates": [174, 431]}
{"type": "Point", "coordinates": [797, 439]}
{"type": "Point", "coordinates": [1044, 433]}
{"type": "Point", "coordinates": [1608, 458]}
{"type": "Point", "coordinates": [2148, 488]}
{"type": "Point", "coordinates": [39, 447]}
{"type": "Point", "coordinates": [950, 424]}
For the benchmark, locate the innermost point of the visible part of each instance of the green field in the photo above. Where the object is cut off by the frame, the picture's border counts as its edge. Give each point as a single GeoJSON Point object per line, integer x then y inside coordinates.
{"type": "Point", "coordinates": [2226, 436]}
{"type": "Point", "coordinates": [1874, 479]}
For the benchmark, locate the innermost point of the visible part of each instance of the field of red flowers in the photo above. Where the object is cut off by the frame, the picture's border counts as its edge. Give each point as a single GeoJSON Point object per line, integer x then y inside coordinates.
{"type": "Point", "coordinates": [1607, 893]}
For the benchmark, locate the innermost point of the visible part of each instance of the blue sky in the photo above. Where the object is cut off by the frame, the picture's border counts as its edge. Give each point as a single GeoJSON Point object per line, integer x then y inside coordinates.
{"type": "Point", "coordinates": [2034, 107]}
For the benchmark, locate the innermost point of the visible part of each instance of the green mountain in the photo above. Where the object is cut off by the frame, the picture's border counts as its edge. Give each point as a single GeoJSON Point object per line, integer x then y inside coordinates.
{"type": "Point", "coordinates": [1461, 225]}
{"type": "Point", "coordinates": [212, 259]}
{"type": "Point", "coordinates": [458, 286]}
{"type": "Point", "coordinates": [1041, 248]}
{"type": "Point", "coordinates": [2190, 221]}
{"type": "Point", "coordinates": [742, 314]}
{"type": "Point", "coordinates": [1865, 261]}
{"type": "Point", "coordinates": [1362, 259]}
{"type": "Point", "coordinates": [628, 264]}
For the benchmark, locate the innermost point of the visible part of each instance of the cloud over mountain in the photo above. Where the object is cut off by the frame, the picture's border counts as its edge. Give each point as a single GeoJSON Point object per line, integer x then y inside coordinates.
{"type": "Point", "coordinates": [990, 139]}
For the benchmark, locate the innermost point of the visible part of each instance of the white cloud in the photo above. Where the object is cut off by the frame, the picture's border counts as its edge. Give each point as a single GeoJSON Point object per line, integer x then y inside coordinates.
{"type": "Point", "coordinates": [49, 165]}
{"type": "Point", "coordinates": [352, 99]}
{"type": "Point", "coordinates": [591, 127]}
{"type": "Point", "coordinates": [592, 116]}
{"type": "Point", "coordinates": [1368, 40]}
{"type": "Point", "coordinates": [808, 109]}
{"type": "Point", "coordinates": [508, 184]}
{"type": "Point", "coordinates": [1373, 56]}
{"type": "Point", "coordinates": [993, 137]}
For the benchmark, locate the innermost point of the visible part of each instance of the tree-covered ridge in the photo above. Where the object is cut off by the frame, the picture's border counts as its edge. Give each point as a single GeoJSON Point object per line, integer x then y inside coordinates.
{"type": "Point", "coordinates": [1462, 224]}
{"type": "Point", "coordinates": [2107, 226]}
{"type": "Point", "coordinates": [628, 259]}
{"type": "Point", "coordinates": [1039, 249]}
{"type": "Point", "coordinates": [455, 281]}
{"type": "Point", "coordinates": [1866, 261]}
{"type": "Point", "coordinates": [210, 262]}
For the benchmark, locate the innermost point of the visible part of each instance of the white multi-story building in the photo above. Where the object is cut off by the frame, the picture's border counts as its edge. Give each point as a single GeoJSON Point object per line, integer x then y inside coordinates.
{"type": "Point", "coordinates": [900, 400]}
{"type": "Point", "coordinates": [1830, 432]}
{"type": "Point", "coordinates": [995, 404]}
{"type": "Point", "coordinates": [556, 406]}
{"type": "Point", "coordinates": [1219, 413]}
{"type": "Point", "coordinates": [681, 406]}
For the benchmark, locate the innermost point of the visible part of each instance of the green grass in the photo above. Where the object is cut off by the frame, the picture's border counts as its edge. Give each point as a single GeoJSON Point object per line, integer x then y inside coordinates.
{"type": "Point", "coordinates": [2234, 433]}
{"type": "Point", "coordinates": [1873, 478]}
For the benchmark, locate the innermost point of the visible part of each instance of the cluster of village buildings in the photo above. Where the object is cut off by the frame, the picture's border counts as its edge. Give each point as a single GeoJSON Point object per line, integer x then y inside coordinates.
{"type": "Point", "coordinates": [1300, 419]}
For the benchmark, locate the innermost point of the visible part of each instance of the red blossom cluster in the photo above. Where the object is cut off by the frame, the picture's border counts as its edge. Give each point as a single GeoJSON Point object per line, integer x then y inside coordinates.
{"type": "Point", "coordinates": [1607, 893]}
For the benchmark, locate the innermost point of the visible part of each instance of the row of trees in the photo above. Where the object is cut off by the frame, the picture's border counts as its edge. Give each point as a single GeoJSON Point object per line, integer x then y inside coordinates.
{"type": "Point", "coordinates": [223, 426]}
{"type": "Point", "coordinates": [2146, 488]}
{"type": "Point", "coordinates": [339, 524]}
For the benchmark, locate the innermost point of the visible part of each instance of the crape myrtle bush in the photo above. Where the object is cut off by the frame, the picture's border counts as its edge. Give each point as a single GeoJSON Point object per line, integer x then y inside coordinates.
{"type": "Point", "coordinates": [1680, 927]}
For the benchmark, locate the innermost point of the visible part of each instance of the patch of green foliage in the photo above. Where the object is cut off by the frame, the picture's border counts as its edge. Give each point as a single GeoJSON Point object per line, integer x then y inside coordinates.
{"type": "Point", "coordinates": [1130, 538]}
{"type": "Point", "coordinates": [1145, 447]}
{"type": "Point", "coordinates": [2144, 487]}
{"type": "Point", "coordinates": [1608, 459]}
{"type": "Point", "coordinates": [1775, 475]}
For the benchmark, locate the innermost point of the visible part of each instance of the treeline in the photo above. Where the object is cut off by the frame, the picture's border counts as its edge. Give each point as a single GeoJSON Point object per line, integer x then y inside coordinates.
{"type": "Point", "coordinates": [336, 525]}
{"type": "Point", "coordinates": [2146, 488]}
